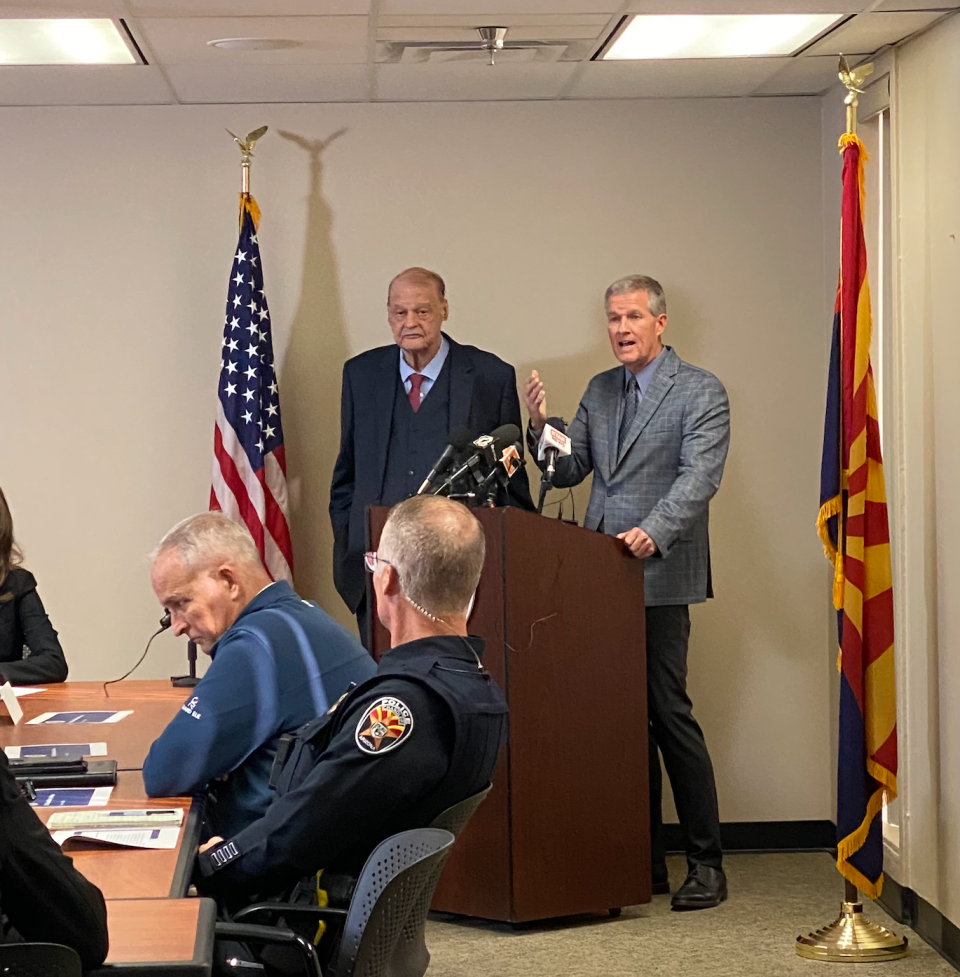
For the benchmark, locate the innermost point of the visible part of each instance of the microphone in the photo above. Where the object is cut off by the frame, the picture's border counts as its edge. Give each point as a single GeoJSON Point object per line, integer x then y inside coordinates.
{"type": "Point", "coordinates": [508, 464]}
{"type": "Point", "coordinates": [458, 440]}
{"type": "Point", "coordinates": [553, 444]}
{"type": "Point", "coordinates": [485, 447]}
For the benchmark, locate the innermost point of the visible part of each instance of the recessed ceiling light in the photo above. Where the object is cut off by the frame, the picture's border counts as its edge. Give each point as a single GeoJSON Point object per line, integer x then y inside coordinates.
{"type": "Point", "coordinates": [715, 36]}
{"type": "Point", "coordinates": [70, 41]}
{"type": "Point", "coordinates": [253, 43]}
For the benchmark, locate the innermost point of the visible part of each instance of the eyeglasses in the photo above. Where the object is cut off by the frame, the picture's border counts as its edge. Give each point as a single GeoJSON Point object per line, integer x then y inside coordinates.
{"type": "Point", "coordinates": [371, 558]}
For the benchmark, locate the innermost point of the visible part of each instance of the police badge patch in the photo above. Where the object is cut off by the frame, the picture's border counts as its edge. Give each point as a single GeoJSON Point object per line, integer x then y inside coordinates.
{"type": "Point", "coordinates": [385, 725]}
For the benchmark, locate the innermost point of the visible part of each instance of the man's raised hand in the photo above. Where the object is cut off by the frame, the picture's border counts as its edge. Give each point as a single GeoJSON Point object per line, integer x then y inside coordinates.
{"type": "Point", "coordinates": [536, 398]}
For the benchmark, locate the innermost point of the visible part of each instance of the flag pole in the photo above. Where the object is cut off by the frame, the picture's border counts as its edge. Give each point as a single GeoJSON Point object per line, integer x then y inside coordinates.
{"type": "Point", "coordinates": [851, 938]}
{"type": "Point", "coordinates": [246, 154]}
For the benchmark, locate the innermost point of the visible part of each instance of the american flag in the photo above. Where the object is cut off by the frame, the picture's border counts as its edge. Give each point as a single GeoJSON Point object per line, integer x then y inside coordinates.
{"type": "Point", "coordinates": [249, 465]}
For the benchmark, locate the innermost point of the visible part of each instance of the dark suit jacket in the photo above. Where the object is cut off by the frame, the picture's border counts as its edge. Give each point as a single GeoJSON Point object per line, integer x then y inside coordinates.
{"type": "Point", "coordinates": [45, 899]}
{"type": "Point", "coordinates": [483, 396]}
{"type": "Point", "coordinates": [23, 621]}
{"type": "Point", "coordinates": [662, 481]}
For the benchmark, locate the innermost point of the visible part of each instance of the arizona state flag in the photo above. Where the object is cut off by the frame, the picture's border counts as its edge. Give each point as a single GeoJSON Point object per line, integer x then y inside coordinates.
{"type": "Point", "coordinates": [853, 527]}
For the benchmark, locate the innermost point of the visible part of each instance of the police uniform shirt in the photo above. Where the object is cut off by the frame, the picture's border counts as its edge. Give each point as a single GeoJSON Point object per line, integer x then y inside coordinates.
{"type": "Point", "coordinates": [389, 766]}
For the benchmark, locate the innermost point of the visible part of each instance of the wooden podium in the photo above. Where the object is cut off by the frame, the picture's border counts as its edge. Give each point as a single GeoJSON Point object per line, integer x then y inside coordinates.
{"type": "Point", "coordinates": [566, 828]}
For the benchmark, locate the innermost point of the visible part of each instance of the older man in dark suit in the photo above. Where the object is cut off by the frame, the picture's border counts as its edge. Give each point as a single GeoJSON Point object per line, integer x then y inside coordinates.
{"type": "Point", "coordinates": [398, 408]}
{"type": "Point", "coordinates": [654, 432]}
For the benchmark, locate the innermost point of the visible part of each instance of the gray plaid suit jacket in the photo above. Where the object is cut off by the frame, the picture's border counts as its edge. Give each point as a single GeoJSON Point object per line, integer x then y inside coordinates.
{"type": "Point", "coordinates": [663, 480]}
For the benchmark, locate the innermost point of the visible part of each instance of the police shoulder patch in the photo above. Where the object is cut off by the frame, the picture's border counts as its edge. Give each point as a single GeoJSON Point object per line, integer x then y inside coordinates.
{"type": "Point", "coordinates": [384, 725]}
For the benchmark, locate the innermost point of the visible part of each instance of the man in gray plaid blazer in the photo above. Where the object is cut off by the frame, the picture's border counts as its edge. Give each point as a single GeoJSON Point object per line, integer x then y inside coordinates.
{"type": "Point", "coordinates": [654, 432]}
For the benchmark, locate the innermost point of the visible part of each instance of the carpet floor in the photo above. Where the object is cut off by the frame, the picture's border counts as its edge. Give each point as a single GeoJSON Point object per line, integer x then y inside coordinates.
{"type": "Point", "coordinates": [773, 899]}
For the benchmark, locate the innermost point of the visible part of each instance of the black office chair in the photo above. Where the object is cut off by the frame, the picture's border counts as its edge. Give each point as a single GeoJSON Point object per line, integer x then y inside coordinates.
{"type": "Point", "coordinates": [39, 960]}
{"type": "Point", "coordinates": [411, 957]}
{"type": "Point", "coordinates": [396, 883]}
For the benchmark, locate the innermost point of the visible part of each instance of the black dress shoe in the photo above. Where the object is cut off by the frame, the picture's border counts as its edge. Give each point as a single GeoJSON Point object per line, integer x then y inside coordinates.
{"type": "Point", "coordinates": [704, 888]}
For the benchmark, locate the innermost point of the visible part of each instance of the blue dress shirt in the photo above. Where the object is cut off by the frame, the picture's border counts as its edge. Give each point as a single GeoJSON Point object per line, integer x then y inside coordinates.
{"type": "Point", "coordinates": [429, 373]}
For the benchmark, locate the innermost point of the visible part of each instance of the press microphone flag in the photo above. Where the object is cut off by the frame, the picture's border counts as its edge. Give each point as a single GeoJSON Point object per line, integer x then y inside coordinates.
{"type": "Point", "coordinates": [484, 447]}
{"type": "Point", "coordinates": [553, 438]}
{"type": "Point", "coordinates": [553, 443]}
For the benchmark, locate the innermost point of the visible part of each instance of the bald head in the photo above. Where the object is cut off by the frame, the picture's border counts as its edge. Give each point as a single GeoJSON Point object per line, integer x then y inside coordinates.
{"type": "Point", "coordinates": [437, 548]}
{"type": "Point", "coordinates": [419, 276]}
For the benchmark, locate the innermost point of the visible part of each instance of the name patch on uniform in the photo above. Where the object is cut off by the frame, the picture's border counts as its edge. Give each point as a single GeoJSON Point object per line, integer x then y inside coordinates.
{"type": "Point", "coordinates": [384, 726]}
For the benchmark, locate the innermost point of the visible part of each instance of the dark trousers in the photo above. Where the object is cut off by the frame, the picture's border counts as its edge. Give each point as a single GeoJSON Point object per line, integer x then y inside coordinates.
{"type": "Point", "coordinates": [677, 735]}
{"type": "Point", "coordinates": [364, 624]}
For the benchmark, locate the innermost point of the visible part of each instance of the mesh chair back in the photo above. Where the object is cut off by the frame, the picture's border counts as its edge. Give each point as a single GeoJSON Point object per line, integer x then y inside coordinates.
{"type": "Point", "coordinates": [39, 960]}
{"type": "Point", "coordinates": [454, 819]}
{"type": "Point", "coordinates": [411, 956]}
{"type": "Point", "coordinates": [388, 891]}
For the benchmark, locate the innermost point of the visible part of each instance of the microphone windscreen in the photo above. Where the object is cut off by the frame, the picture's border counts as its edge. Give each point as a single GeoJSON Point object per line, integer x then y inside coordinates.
{"type": "Point", "coordinates": [557, 423]}
{"type": "Point", "coordinates": [506, 434]}
{"type": "Point", "coordinates": [460, 437]}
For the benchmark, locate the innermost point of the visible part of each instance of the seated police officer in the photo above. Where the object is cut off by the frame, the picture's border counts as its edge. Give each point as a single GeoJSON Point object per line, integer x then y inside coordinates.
{"type": "Point", "coordinates": [278, 661]}
{"type": "Point", "coordinates": [421, 735]}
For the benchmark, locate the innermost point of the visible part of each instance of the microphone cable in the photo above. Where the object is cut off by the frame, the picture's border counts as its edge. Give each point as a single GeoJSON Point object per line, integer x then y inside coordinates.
{"type": "Point", "coordinates": [164, 624]}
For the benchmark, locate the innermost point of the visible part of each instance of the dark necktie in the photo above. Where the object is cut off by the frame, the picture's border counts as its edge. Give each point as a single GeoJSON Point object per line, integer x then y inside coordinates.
{"type": "Point", "coordinates": [416, 380]}
{"type": "Point", "coordinates": [629, 412]}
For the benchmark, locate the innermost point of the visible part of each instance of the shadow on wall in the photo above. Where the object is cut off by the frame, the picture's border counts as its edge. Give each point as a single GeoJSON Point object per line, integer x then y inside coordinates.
{"type": "Point", "coordinates": [312, 367]}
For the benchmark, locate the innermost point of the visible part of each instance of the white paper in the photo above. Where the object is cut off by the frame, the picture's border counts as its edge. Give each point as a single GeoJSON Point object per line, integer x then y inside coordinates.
{"type": "Point", "coordinates": [9, 698]}
{"type": "Point", "coordinates": [115, 819]}
{"type": "Point", "coordinates": [76, 717]}
{"type": "Point", "coordinates": [55, 750]}
{"type": "Point", "coordinates": [23, 690]}
{"type": "Point", "coordinates": [165, 838]}
{"type": "Point", "coordinates": [72, 796]}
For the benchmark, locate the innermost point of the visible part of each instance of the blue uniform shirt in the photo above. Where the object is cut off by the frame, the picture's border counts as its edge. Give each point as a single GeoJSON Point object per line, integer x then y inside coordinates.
{"type": "Point", "coordinates": [282, 662]}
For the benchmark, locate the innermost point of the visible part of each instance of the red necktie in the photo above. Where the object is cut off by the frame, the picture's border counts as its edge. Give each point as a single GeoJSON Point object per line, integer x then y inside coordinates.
{"type": "Point", "coordinates": [416, 380]}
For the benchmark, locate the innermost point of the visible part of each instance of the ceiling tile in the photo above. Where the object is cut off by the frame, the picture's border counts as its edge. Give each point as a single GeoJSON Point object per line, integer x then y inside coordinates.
{"type": "Point", "coordinates": [748, 6]}
{"type": "Point", "coordinates": [802, 76]}
{"type": "Point", "coordinates": [82, 84]}
{"type": "Point", "coordinates": [246, 8]}
{"type": "Point", "coordinates": [437, 21]}
{"type": "Point", "coordinates": [57, 8]}
{"type": "Point", "coordinates": [325, 40]}
{"type": "Point", "coordinates": [886, 5]}
{"type": "Point", "coordinates": [269, 83]}
{"type": "Point", "coordinates": [499, 6]}
{"type": "Point", "coordinates": [468, 35]}
{"type": "Point", "coordinates": [673, 79]}
{"type": "Point", "coordinates": [867, 33]}
{"type": "Point", "coordinates": [456, 81]}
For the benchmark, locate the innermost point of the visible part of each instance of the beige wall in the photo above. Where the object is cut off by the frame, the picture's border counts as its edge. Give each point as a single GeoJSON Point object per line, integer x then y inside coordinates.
{"type": "Point", "coordinates": [926, 107]}
{"type": "Point", "coordinates": [117, 236]}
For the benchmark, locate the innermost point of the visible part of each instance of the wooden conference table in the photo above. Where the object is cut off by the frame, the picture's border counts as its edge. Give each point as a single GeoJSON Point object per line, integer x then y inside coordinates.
{"type": "Point", "coordinates": [153, 928]}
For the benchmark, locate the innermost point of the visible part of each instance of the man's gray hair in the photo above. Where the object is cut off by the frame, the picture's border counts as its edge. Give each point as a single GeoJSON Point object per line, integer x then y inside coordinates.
{"type": "Point", "coordinates": [437, 548]}
{"type": "Point", "coordinates": [656, 300]}
{"type": "Point", "coordinates": [210, 537]}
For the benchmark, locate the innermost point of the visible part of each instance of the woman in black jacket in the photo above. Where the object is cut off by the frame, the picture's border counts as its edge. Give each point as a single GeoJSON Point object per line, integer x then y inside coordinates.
{"type": "Point", "coordinates": [29, 650]}
{"type": "Point", "coordinates": [43, 898]}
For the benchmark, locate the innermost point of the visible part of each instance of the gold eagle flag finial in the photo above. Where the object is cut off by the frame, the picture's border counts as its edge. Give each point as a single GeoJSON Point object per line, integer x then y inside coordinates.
{"type": "Point", "coordinates": [246, 154]}
{"type": "Point", "coordinates": [853, 79]}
